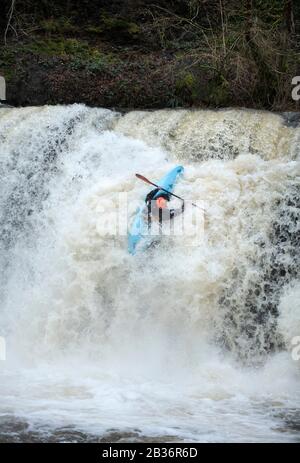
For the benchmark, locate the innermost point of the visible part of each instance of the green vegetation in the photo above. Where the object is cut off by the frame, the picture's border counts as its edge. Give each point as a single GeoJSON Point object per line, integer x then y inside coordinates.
{"type": "Point", "coordinates": [107, 25]}
{"type": "Point", "coordinates": [58, 26]}
{"type": "Point", "coordinates": [7, 62]}
{"type": "Point", "coordinates": [187, 87]}
{"type": "Point", "coordinates": [141, 54]}
{"type": "Point", "coordinates": [57, 47]}
{"type": "Point", "coordinates": [110, 24]}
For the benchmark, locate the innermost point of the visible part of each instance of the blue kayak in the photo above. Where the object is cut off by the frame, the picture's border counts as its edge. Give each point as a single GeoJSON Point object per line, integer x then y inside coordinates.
{"type": "Point", "coordinates": [139, 227]}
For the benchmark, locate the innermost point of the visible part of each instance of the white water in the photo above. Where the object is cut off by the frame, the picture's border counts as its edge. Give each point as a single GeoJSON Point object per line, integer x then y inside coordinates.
{"type": "Point", "coordinates": [175, 342]}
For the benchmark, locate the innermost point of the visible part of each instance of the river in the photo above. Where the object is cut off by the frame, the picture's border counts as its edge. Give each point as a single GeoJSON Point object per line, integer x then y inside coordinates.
{"type": "Point", "coordinates": [190, 341]}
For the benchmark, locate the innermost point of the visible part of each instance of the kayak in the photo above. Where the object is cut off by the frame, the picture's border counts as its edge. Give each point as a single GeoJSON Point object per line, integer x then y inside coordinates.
{"type": "Point", "coordinates": [139, 227]}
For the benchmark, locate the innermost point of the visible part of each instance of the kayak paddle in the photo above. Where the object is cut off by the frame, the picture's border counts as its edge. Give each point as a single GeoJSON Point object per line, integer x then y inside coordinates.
{"type": "Point", "coordinates": [141, 177]}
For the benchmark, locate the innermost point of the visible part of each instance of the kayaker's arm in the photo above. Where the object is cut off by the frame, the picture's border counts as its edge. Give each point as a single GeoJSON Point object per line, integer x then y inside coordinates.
{"type": "Point", "coordinates": [168, 214]}
{"type": "Point", "coordinates": [176, 212]}
{"type": "Point", "coordinates": [151, 195]}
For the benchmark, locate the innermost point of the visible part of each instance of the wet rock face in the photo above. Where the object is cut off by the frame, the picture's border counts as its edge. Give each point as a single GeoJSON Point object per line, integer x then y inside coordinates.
{"type": "Point", "coordinates": [29, 193]}
{"type": "Point", "coordinates": [255, 332]}
{"type": "Point", "coordinates": [291, 119]}
{"type": "Point", "coordinates": [16, 430]}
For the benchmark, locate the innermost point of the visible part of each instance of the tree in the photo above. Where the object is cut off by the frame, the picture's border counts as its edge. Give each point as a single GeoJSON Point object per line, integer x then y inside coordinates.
{"type": "Point", "coordinates": [9, 19]}
{"type": "Point", "coordinates": [289, 15]}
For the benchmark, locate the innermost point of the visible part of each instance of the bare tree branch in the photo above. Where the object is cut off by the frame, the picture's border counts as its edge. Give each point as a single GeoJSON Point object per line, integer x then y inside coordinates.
{"type": "Point", "coordinates": [223, 26]}
{"type": "Point", "coordinates": [10, 15]}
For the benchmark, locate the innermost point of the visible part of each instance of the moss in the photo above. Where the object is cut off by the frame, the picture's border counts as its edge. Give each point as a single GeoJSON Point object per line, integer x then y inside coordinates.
{"type": "Point", "coordinates": [96, 62]}
{"type": "Point", "coordinates": [7, 62]}
{"type": "Point", "coordinates": [218, 91]}
{"type": "Point", "coordinates": [94, 30]}
{"type": "Point", "coordinates": [192, 89]}
{"type": "Point", "coordinates": [56, 47]}
{"type": "Point", "coordinates": [113, 25]}
{"type": "Point", "coordinates": [187, 87]}
{"type": "Point", "coordinates": [77, 55]}
{"type": "Point", "coordinates": [110, 22]}
{"type": "Point", "coordinates": [121, 27]}
{"type": "Point", "coordinates": [58, 25]}
{"type": "Point", "coordinates": [186, 82]}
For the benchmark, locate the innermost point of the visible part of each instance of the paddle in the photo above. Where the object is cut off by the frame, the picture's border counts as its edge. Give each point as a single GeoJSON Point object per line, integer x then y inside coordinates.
{"type": "Point", "coordinates": [141, 177]}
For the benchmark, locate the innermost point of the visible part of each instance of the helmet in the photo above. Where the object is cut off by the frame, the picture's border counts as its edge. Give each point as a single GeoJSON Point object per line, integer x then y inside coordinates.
{"type": "Point", "coordinates": [161, 202]}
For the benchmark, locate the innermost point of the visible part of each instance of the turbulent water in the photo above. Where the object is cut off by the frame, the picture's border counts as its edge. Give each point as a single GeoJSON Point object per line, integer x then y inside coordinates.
{"type": "Point", "coordinates": [187, 341]}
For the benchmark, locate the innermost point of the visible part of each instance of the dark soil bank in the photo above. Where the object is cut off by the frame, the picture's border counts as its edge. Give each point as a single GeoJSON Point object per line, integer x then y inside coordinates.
{"type": "Point", "coordinates": [142, 54]}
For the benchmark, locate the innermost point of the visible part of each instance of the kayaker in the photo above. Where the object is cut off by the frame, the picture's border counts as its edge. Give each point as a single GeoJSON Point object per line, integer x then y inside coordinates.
{"type": "Point", "coordinates": [158, 207]}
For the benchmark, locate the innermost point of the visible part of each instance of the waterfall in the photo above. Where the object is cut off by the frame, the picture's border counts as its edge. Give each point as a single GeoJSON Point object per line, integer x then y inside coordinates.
{"type": "Point", "coordinates": [169, 339]}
